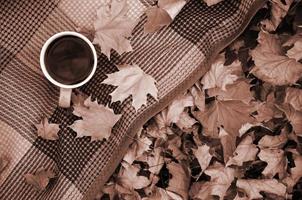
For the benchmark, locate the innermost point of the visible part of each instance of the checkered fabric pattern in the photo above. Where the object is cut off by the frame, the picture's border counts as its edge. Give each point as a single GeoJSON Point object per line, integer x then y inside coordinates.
{"type": "Point", "coordinates": [175, 56]}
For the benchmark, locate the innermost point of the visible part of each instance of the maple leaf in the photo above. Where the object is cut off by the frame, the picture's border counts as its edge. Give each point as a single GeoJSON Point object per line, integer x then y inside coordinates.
{"type": "Point", "coordinates": [48, 131]}
{"type": "Point", "coordinates": [278, 12]}
{"type": "Point", "coordinates": [253, 187]}
{"type": "Point", "coordinates": [272, 65]}
{"type": "Point", "coordinates": [128, 177]}
{"type": "Point", "coordinates": [230, 115]}
{"type": "Point", "coordinates": [131, 80]}
{"type": "Point", "coordinates": [97, 121]}
{"type": "Point", "coordinates": [293, 116]}
{"type": "Point", "coordinates": [294, 98]}
{"type": "Point", "coordinates": [202, 153]}
{"type": "Point", "coordinates": [276, 162]}
{"type": "Point", "coordinates": [162, 14]}
{"type": "Point", "coordinates": [239, 90]}
{"type": "Point", "coordinates": [245, 151]}
{"type": "Point", "coordinates": [180, 180]}
{"type": "Point", "coordinates": [212, 2]}
{"type": "Point", "coordinates": [40, 179]}
{"type": "Point", "coordinates": [221, 179]}
{"type": "Point", "coordinates": [295, 173]}
{"type": "Point", "coordinates": [113, 27]}
{"type": "Point", "coordinates": [269, 141]}
{"type": "Point", "coordinates": [219, 76]}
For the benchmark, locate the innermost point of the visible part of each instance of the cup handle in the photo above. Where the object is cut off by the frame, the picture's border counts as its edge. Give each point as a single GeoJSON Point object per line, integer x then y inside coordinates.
{"type": "Point", "coordinates": [65, 97]}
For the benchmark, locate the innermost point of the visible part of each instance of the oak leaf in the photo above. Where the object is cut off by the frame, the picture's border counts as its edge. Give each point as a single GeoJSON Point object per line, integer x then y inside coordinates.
{"type": "Point", "coordinates": [113, 27]}
{"type": "Point", "coordinates": [219, 76]}
{"type": "Point", "coordinates": [245, 151]}
{"type": "Point", "coordinates": [253, 187]}
{"type": "Point", "coordinates": [97, 121]}
{"type": "Point", "coordinates": [272, 65]}
{"type": "Point", "coordinates": [131, 80]}
{"type": "Point", "coordinates": [48, 131]}
{"type": "Point", "coordinates": [40, 179]}
{"type": "Point", "coordinates": [276, 162]}
{"type": "Point", "coordinates": [162, 14]}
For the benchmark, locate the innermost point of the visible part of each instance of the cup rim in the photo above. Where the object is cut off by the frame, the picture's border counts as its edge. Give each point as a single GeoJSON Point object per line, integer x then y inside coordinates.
{"type": "Point", "coordinates": [42, 57]}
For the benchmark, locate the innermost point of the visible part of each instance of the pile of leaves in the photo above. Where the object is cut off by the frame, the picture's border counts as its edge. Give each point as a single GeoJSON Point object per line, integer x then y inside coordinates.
{"type": "Point", "coordinates": [236, 134]}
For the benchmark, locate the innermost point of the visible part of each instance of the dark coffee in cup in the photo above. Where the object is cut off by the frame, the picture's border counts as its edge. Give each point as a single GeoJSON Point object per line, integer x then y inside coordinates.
{"type": "Point", "coordinates": [69, 60]}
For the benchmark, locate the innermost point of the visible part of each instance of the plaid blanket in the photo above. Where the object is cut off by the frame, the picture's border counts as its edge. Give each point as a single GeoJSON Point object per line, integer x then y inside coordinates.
{"type": "Point", "coordinates": [176, 56]}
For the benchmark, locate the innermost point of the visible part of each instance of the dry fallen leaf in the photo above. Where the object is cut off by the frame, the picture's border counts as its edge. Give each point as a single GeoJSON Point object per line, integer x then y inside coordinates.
{"type": "Point", "coordinates": [295, 173]}
{"type": "Point", "coordinates": [180, 180]}
{"type": "Point", "coordinates": [230, 115]}
{"type": "Point", "coordinates": [245, 151]}
{"type": "Point", "coordinates": [253, 187]}
{"type": "Point", "coordinates": [128, 177]}
{"type": "Point", "coordinates": [278, 12]}
{"type": "Point", "coordinates": [177, 107]}
{"type": "Point", "coordinates": [155, 160]}
{"type": "Point", "coordinates": [272, 65]}
{"type": "Point", "coordinates": [140, 146]}
{"type": "Point", "coordinates": [202, 153]}
{"type": "Point", "coordinates": [198, 96]}
{"type": "Point", "coordinates": [162, 14]}
{"type": "Point", "coordinates": [269, 141]}
{"type": "Point", "coordinates": [239, 90]}
{"type": "Point", "coordinates": [227, 143]}
{"type": "Point", "coordinates": [221, 179]}
{"type": "Point", "coordinates": [294, 117]}
{"type": "Point", "coordinates": [97, 121]}
{"type": "Point", "coordinates": [212, 2]}
{"type": "Point", "coordinates": [276, 162]}
{"type": "Point", "coordinates": [113, 27]}
{"type": "Point", "coordinates": [40, 179]}
{"type": "Point", "coordinates": [219, 76]}
{"type": "Point", "coordinates": [48, 131]}
{"type": "Point", "coordinates": [131, 80]}
{"type": "Point", "coordinates": [294, 98]}
{"type": "Point", "coordinates": [296, 51]}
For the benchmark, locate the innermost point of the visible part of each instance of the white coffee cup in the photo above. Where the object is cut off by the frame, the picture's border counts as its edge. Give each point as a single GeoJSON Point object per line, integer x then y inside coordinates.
{"type": "Point", "coordinates": [65, 90]}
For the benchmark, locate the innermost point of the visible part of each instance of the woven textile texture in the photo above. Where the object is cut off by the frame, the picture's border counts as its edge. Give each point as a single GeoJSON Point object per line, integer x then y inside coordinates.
{"type": "Point", "coordinates": [175, 56]}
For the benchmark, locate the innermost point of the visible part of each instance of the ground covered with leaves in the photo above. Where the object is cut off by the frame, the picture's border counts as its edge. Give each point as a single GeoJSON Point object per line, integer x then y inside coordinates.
{"type": "Point", "coordinates": [236, 134]}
